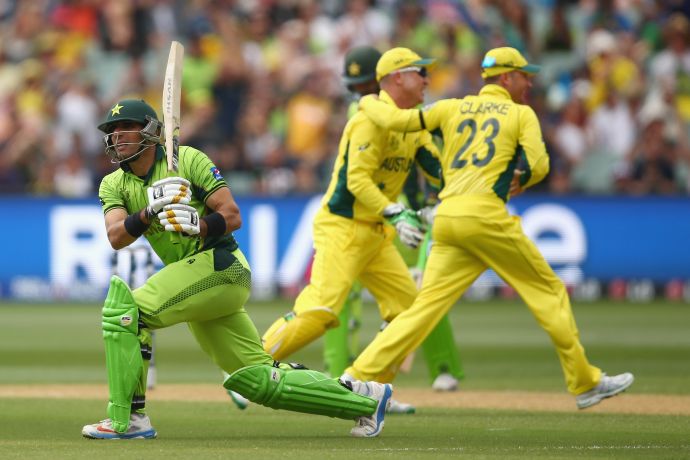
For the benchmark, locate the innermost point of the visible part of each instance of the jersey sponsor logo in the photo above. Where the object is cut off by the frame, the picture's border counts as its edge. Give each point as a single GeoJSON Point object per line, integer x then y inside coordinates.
{"type": "Point", "coordinates": [216, 173]}
{"type": "Point", "coordinates": [397, 164]}
{"type": "Point", "coordinates": [363, 147]}
{"type": "Point", "coordinates": [125, 320]}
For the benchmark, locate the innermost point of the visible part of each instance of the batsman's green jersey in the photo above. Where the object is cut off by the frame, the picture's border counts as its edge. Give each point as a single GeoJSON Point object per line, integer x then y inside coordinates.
{"type": "Point", "coordinates": [122, 189]}
{"type": "Point", "coordinates": [204, 278]}
{"type": "Point", "coordinates": [486, 137]}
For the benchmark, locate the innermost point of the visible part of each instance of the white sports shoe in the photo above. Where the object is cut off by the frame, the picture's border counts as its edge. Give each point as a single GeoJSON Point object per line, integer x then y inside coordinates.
{"type": "Point", "coordinates": [240, 401]}
{"type": "Point", "coordinates": [139, 428]}
{"type": "Point", "coordinates": [371, 425]}
{"type": "Point", "coordinates": [607, 387]}
{"type": "Point", "coordinates": [397, 407]}
{"type": "Point", "coordinates": [445, 382]}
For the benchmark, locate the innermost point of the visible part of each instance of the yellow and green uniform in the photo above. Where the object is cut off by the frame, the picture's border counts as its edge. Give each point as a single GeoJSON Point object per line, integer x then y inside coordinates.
{"type": "Point", "coordinates": [486, 137]}
{"type": "Point", "coordinates": [351, 238]}
{"type": "Point", "coordinates": [341, 343]}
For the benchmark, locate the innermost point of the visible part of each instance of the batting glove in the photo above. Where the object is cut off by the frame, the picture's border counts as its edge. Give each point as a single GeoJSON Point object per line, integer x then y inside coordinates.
{"type": "Point", "coordinates": [407, 224]}
{"type": "Point", "coordinates": [166, 191]}
{"type": "Point", "coordinates": [180, 218]}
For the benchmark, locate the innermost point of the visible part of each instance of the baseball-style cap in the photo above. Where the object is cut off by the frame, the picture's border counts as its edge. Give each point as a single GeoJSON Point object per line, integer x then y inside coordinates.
{"type": "Point", "coordinates": [504, 60]}
{"type": "Point", "coordinates": [360, 65]}
{"type": "Point", "coordinates": [399, 58]}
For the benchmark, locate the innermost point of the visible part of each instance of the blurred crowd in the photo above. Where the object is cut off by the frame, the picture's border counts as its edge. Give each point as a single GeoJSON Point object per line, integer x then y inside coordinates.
{"type": "Point", "coordinates": [262, 94]}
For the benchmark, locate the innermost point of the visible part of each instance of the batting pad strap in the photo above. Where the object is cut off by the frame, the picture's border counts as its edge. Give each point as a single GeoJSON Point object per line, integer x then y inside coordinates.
{"type": "Point", "coordinates": [299, 390]}
{"type": "Point", "coordinates": [295, 330]}
{"type": "Point", "coordinates": [122, 351]}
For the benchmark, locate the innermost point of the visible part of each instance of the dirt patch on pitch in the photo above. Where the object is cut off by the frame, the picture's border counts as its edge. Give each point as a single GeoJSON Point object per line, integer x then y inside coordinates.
{"type": "Point", "coordinates": [516, 400]}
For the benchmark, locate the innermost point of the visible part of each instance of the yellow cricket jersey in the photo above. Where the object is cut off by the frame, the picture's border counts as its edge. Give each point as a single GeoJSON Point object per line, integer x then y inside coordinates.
{"type": "Point", "coordinates": [372, 166]}
{"type": "Point", "coordinates": [485, 137]}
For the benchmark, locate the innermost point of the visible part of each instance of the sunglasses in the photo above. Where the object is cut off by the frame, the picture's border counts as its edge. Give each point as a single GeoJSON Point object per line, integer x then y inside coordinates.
{"type": "Point", "coordinates": [420, 70]}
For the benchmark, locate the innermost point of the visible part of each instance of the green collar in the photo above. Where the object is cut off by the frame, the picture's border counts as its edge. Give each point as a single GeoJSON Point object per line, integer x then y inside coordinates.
{"type": "Point", "coordinates": [159, 156]}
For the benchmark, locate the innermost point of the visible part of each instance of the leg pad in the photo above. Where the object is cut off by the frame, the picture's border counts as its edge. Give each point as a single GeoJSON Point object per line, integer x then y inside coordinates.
{"type": "Point", "coordinates": [122, 351]}
{"type": "Point", "coordinates": [301, 390]}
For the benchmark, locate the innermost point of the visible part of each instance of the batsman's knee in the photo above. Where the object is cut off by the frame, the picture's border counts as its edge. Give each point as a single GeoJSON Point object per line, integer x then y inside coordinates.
{"type": "Point", "coordinates": [295, 330]}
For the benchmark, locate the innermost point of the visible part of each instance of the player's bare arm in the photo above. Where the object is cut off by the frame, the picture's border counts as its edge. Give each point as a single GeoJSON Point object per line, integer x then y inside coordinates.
{"type": "Point", "coordinates": [115, 228]}
{"type": "Point", "coordinates": [223, 203]}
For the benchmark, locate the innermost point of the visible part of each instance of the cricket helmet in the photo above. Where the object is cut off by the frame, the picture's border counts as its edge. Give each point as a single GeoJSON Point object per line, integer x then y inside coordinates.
{"type": "Point", "coordinates": [133, 110]}
{"type": "Point", "coordinates": [360, 65]}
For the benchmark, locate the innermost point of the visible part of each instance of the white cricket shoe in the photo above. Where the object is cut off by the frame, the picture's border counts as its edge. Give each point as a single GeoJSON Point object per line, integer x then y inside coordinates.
{"type": "Point", "coordinates": [139, 428]}
{"type": "Point", "coordinates": [445, 382]}
{"type": "Point", "coordinates": [240, 401]}
{"type": "Point", "coordinates": [607, 387]}
{"type": "Point", "coordinates": [371, 425]}
{"type": "Point", "coordinates": [398, 407]}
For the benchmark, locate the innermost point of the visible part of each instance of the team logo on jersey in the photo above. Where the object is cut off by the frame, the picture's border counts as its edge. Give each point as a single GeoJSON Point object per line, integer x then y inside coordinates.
{"type": "Point", "coordinates": [216, 173]}
{"type": "Point", "coordinates": [125, 320]}
{"type": "Point", "coordinates": [363, 147]}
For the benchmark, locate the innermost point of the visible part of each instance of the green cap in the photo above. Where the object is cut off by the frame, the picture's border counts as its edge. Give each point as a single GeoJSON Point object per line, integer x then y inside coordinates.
{"type": "Point", "coordinates": [360, 65]}
{"type": "Point", "coordinates": [128, 110]}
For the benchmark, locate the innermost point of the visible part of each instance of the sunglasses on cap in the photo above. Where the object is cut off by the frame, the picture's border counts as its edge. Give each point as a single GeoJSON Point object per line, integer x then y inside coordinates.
{"type": "Point", "coordinates": [420, 70]}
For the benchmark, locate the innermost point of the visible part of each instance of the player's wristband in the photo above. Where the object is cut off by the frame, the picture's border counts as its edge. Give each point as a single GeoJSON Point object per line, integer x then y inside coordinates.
{"type": "Point", "coordinates": [134, 225]}
{"type": "Point", "coordinates": [215, 224]}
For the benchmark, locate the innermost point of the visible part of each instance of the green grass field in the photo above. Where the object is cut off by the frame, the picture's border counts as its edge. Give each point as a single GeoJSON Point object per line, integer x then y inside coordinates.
{"type": "Point", "coordinates": [502, 350]}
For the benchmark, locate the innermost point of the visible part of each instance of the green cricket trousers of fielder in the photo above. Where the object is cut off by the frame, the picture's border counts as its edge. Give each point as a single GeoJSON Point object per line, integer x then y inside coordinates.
{"type": "Point", "coordinates": [208, 291]}
{"type": "Point", "coordinates": [465, 246]}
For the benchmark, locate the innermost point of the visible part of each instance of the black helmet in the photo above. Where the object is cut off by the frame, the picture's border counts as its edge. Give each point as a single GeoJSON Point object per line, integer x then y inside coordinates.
{"type": "Point", "coordinates": [360, 65]}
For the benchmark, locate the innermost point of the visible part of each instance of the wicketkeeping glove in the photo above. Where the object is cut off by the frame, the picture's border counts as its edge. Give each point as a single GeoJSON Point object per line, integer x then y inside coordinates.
{"type": "Point", "coordinates": [427, 214]}
{"type": "Point", "coordinates": [180, 218]}
{"type": "Point", "coordinates": [166, 191]}
{"type": "Point", "coordinates": [407, 224]}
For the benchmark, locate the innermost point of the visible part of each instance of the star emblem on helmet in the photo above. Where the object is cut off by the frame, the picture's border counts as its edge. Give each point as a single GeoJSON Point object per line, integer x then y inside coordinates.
{"type": "Point", "coordinates": [115, 110]}
{"type": "Point", "coordinates": [354, 69]}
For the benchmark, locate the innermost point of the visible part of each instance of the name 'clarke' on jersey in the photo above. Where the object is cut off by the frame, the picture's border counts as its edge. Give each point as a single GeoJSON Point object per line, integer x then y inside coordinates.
{"type": "Point", "coordinates": [478, 164]}
{"type": "Point", "coordinates": [372, 166]}
{"type": "Point", "coordinates": [475, 159]}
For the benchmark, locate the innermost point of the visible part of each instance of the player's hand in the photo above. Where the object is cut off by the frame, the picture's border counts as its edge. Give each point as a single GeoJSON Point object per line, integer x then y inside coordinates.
{"type": "Point", "coordinates": [427, 214]}
{"type": "Point", "coordinates": [180, 218]}
{"type": "Point", "coordinates": [515, 187]}
{"type": "Point", "coordinates": [410, 229]}
{"type": "Point", "coordinates": [170, 190]}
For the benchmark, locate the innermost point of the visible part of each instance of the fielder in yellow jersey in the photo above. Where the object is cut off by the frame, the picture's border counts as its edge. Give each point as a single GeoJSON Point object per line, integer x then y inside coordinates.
{"type": "Point", "coordinates": [493, 149]}
{"type": "Point", "coordinates": [352, 237]}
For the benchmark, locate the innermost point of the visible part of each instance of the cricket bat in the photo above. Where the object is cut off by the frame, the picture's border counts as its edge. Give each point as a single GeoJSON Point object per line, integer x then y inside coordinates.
{"type": "Point", "coordinates": [172, 93]}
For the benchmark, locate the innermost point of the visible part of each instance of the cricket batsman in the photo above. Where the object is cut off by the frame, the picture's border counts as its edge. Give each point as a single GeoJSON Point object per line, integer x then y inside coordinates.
{"type": "Point", "coordinates": [493, 150]}
{"type": "Point", "coordinates": [188, 220]}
